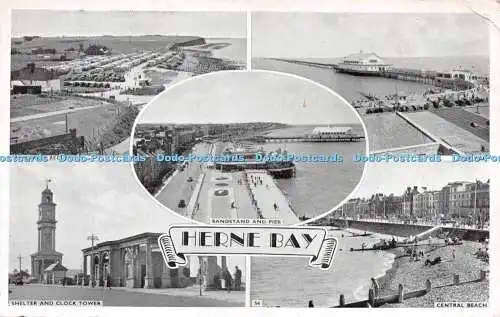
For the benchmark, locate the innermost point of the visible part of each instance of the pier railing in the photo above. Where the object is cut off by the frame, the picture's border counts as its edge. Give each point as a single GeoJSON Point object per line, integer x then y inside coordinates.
{"type": "Point", "coordinates": [376, 300]}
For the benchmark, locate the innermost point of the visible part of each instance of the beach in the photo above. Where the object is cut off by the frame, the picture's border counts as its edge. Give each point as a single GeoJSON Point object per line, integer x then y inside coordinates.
{"type": "Point", "coordinates": [352, 271]}
{"type": "Point", "coordinates": [413, 276]}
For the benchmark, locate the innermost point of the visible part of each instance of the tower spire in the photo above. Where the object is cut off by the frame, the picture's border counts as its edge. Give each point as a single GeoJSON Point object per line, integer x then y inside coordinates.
{"type": "Point", "coordinates": [47, 181]}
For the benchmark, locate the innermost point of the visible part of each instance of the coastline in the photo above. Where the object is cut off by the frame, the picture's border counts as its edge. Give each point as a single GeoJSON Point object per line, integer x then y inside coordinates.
{"type": "Point", "coordinates": [413, 275]}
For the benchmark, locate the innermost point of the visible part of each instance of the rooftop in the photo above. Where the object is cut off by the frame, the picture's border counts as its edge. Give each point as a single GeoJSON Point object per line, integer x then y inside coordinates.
{"type": "Point", "coordinates": [56, 267]}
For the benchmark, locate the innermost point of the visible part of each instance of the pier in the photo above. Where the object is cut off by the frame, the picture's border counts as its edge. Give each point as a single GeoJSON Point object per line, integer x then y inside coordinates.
{"type": "Point", "coordinates": [301, 138]}
{"type": "Point", "coordinates": [313, 64]}
{"type": "Point", "coordinates": [427, 77]}
{"type": "Point", "coordinates": [266, 195]}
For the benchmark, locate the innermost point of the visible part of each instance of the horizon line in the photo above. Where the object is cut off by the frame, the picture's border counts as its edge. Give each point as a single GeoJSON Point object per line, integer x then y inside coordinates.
{"type": "Point", "coordinates": [126, 35]}
{"type": "Point", "coordinates": [384, 56]}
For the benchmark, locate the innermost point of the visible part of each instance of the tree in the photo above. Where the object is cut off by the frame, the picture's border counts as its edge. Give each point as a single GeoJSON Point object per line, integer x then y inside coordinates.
{"type": "Point", "coordinates": [96, 49]}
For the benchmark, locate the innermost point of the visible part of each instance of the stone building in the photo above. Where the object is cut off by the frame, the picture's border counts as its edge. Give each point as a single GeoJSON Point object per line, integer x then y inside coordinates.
{"type": "Point", "coordinates": [407, 202]}
{"type": "Point", "coordinates": [46, 254]}
{"type": "Point", "coordinates": [426, 204]}
{"type": "Point", "coordinates": [137, 262]}
{"type": "Point", "coordinates": [54, 273]}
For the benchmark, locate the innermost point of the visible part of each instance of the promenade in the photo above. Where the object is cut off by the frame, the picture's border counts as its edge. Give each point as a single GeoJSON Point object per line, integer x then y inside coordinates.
{"type": "Point", "coordinates": [461, 140]}
{"type": "Point", "coordinates": [269, 199]}
{"type": "Point", "coordinates": [209, 193]}
{"type": "Point", "coordinates": [223, 196]}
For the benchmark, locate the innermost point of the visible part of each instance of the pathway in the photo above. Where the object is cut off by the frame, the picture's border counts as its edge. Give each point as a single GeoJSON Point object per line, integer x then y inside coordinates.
{"type": "Point", "coordinates": [267, 194]}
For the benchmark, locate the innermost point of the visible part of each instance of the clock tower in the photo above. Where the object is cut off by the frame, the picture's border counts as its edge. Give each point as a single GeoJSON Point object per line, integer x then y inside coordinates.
{"type": "Point", "coordinates": [46, 225]}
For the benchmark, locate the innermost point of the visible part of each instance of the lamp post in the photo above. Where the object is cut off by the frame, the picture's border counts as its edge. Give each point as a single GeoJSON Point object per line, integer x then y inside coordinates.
{"type": "Point", "coordinates": [92, 238]}
{"type": "Point", "coordinates": [475, 204]}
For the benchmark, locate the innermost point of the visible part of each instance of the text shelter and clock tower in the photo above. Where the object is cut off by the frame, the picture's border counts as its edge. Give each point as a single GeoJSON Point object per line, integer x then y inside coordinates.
{"type": "Point", "coordinates": [46, 254]}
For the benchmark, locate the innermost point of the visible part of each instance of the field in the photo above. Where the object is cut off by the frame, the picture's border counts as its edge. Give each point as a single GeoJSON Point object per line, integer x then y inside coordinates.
{"type": "Point", "coordinates": [117, 44]}
{"type": "Point", "coordinates": [87, 123]}
{"type": "Point", "coordinates": [18, 61]}
{"type": "Point", "coordinates": [25, 105]}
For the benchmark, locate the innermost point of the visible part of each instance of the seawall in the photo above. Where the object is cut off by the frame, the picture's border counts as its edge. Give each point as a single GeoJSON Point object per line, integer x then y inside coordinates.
{"type": "Point", "coordinates": [406, 230]}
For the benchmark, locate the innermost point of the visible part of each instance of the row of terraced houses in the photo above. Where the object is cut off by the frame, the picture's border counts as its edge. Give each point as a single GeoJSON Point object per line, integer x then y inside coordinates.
{"type": "Point", "coordinates": [461, 202]}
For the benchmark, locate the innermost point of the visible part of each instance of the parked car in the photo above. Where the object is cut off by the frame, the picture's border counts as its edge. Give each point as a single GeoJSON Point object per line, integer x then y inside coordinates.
{"type": "Point", "coordinates": [189, 179]}
{"type": "Point", "coordinates": [181, 203]}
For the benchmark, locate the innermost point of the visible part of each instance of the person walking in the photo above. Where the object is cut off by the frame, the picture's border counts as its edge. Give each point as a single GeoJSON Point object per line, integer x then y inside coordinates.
{"type": "Point", "coordinates": [237, 279]}
{"type": "Point", "coordinates": [228, 278]}
{"type": "Point", "coordinates": [376, 287]}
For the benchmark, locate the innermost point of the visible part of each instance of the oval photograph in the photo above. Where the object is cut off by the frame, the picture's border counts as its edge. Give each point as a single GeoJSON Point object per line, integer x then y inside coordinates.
{"type": "Point", "coordinates": [249, 147]}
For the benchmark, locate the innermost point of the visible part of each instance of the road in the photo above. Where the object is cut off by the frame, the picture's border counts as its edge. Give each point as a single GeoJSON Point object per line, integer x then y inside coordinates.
{"type": "Point", "coordinates": [118, 297]}
{"type": "Point", "coordinates": [178, 187]}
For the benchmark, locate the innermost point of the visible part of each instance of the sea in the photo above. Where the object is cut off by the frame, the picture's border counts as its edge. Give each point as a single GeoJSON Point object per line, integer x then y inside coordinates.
{"type": "Point", "coordinates": [236, 51]}
{"type": "Point", "coordinates": [318, 187]}
{"type": "Point", "coordinates": [350, 87]}
{"type": "Point", "coordinates": [385, 130]}
{"type": "Point", "coordinates": [290, 282]}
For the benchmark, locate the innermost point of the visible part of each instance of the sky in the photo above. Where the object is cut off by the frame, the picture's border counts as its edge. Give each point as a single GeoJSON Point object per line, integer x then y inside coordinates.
{"type": "Point", "coordinates": [397, 177]}
{"type": "Point", "coordinates": [235, 97]}
{"type": "Point", "coordinates": [100, 198]}
{"type": "Point", "coordinates": [93, 23]}
{"type": "Point", "coordinates": [330, 35]}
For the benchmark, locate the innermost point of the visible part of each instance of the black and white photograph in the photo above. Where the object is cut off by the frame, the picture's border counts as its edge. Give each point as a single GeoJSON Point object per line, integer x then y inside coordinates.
{"type": "Point", "coordinates": [178, 157]}
{"type": "Point", "coordinates": [249, 145]}
{"type": "Point", "coordinates": [88, 232]}
{"type": "Point", "coordinates": [80, 78]}
{"type": "Point", "coordinates": [420, 81]}
{"type": "Point", "coordinates": [416, 239]}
